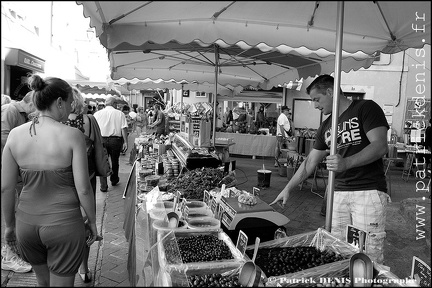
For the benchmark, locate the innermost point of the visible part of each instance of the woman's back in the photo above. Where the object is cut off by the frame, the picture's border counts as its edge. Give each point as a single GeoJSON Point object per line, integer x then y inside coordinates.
{"type": "Point", "coordinates": [45, 145]}
{"type": "Point", "coordinates": [42, 149]}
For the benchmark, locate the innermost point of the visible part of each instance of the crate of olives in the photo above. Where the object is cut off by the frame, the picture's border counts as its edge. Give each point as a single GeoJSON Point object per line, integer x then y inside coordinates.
{"type": "Point", "coordinates": [293, 256]}
{"type": "Point", "coordinates": [197, 249]}
{"type": "Point", "coordinates": [206, 277]}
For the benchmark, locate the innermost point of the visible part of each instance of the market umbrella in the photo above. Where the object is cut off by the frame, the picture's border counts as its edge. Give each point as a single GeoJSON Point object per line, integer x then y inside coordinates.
{"type": "Point", "coordinates": [95, 87]}
{"type": "Point", "coordinates": [238, 65]}
{"type": "Point", "coordinates": [147, 84]}
{"type": "Point", "coordinates": [367, 26]}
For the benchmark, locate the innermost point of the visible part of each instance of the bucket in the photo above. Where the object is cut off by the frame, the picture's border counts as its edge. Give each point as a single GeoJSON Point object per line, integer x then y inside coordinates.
{"type": "Point", "coordinates": [264, 178]}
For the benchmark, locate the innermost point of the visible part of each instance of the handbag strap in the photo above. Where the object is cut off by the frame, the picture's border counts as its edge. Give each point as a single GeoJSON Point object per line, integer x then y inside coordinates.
{"type": "Point", "coordinates": [90, 124]}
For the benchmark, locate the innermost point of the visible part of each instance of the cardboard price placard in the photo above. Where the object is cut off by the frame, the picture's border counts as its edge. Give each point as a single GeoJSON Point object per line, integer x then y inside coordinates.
{"type": "Point", "coordinates": [242, 241]}
{"type": "Point", "coordinates": [213, 206]}
{"type": "Point", "coordinates": [219, 212]}
{"type": "Point", "coordinates": [255, 191]}
{"type": "Point", "coordinates": [423, 272]}
{"type": "Point", "coordinates": [353, 237]}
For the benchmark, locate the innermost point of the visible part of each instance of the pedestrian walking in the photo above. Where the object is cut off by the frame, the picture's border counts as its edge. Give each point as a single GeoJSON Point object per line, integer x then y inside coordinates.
{"type": "Point", "coordinates": [14, 114]}
{"type": "Point", "coordinates": [114, 130]}
{"type": "Point", "coordinates": [52, 161]}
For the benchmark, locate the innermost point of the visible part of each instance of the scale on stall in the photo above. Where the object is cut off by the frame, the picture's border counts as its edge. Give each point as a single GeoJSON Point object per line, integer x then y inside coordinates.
{"type": "Point", "coordinates": [259, 220]}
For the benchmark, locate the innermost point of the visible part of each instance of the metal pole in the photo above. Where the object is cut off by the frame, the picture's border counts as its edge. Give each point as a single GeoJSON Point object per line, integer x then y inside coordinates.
{"type": "Point", "coordinates": [181, 101]}
{"type": "Point", "coordinates": [335, 111]}
{"type": "Point", "coordinates": [215, 94]}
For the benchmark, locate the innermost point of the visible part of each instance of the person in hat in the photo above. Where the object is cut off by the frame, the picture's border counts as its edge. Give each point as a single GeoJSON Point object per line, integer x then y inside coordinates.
{"type": "Point", "coordinates": [114, 130]}
{"type": "Point", "coordinates": [283, 131]}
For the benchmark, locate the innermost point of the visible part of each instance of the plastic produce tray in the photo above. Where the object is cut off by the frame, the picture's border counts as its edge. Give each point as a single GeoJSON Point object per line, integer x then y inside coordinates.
{"type": "Point", "coordinates": [217, 264]}
{"type": "Point", "coordinates": [320, 239]}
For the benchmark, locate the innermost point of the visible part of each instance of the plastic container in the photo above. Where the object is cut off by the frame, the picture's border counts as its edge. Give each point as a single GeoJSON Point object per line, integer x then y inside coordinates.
{"type": "Point", "coordinates": [196, 205]}
{"type": "Point", "coordinates": [152, 180]}
{"type": "Point", "coordinates": [159, 213]}
{"type": "Point", "coordinates": [204, 223]}
{"type": "Point", "coordinates": [145, 172]}
{"type": "Point", "coordinates": [162, 225]}
{"type": "Point", "coordinates": [168, 205]}
{"type": "Point", "coordinates": [199, 214]}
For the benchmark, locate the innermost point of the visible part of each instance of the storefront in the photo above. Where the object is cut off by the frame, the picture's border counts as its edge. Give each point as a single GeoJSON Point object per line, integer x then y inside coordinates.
{"type": "Point", "coordinates": [18, 64]}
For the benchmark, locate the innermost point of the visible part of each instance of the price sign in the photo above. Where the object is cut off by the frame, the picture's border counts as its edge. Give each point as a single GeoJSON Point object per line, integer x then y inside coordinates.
{"type": "Point", "coordinates": [231, 193]}
{"type": "Point", "coordinates": [353, 237]}
{"type": "Point", "coordinates": [242, 241]}
{"type": "Point", "coordinates": [206, 198]}
{"type": "Point", "coordinates": [255, 191]}
{"type": "Point", "coordinates": [219, 212]}
{"type": "Point", "coordinates": [185, 211]}
{"type": "Point", "coordinates": [213, 205]}
{"type": "Point", "coordinates": [422, 270]}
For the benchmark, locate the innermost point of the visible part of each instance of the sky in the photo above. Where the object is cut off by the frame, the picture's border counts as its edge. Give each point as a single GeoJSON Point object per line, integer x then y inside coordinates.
{"type": "Point", "coordinates": [69, 33]}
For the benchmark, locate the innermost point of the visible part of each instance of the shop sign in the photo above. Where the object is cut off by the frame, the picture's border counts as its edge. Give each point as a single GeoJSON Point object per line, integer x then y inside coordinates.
{"type": "Point", "coordinates": [18, 57]}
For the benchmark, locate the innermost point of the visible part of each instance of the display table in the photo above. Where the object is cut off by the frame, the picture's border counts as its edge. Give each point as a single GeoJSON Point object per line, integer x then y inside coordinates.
{"type": "Point", "coordinates": [250, 144]}
{"type": "Point", "coordinates": [147, 268]}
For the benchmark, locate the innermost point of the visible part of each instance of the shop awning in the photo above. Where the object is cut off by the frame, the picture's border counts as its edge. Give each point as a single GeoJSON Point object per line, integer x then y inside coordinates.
{"type": "Point", "coordinates": [18, 57]}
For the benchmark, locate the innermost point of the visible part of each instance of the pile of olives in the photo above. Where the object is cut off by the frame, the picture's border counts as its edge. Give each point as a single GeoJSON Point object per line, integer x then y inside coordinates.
{"type": "Point", "coordinates": [197, 248]}
{"type": "Point", "coordinates": [281, 261]}
{"type": "Point", "coordinates": [213, 280]}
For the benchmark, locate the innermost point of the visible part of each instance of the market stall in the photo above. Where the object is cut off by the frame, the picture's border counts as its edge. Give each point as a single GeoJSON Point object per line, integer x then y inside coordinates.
{"type": "Point", "coordinates": [160, 255]}
{"type": "Point", "coordinates": [250, 144]}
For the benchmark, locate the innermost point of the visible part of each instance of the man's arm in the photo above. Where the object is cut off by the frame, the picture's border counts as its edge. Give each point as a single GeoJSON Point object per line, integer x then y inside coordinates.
{"type": "Point", "coordinates": [305, 170]}
{"type": "Point", "coordinates": [375, 150]}
{"type": "Point", "coordinates": [124, 132]}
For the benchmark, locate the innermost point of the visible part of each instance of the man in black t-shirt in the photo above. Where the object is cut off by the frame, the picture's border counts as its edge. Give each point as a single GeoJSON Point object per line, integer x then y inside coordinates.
{"type": "Point", "coordinates": [360, 197]}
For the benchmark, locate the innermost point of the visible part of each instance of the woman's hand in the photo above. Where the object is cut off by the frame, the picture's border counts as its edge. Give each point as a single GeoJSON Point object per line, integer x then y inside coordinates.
{"type": "Point", "coordinates": [91, 237]}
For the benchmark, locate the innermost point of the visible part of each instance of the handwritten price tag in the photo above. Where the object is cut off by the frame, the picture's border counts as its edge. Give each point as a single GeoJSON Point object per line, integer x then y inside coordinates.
{"type": "Point", "coordinates": [206, 198]}
{"type": "Point", "coordinates": [242, 241]}
{"type": "Point", "coordinates": [353, 237]}
{"type": "Point", "coordinates": [422, 270]}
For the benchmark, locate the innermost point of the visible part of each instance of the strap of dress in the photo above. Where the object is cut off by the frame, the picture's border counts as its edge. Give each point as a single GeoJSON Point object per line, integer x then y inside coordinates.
{"type": "Point", "coordinates": [35, 121]}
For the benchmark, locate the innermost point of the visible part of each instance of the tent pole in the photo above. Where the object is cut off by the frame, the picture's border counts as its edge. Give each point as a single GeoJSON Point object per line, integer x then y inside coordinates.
{"type": "Point", "coordinates": [215, 94]}
{"type": "Point", "coordinates": [181, 101]}
{"type": "Point", "coordinates": [335, 111]}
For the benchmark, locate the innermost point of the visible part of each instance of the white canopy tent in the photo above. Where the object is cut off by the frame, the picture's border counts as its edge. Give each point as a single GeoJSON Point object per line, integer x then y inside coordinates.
{"type": "Point", "coordinates": [352, 26]}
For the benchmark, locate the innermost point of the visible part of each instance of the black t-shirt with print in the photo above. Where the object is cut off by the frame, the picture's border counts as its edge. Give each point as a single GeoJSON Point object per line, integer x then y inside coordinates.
{"type": "Point", "coordinates": [360, 117]}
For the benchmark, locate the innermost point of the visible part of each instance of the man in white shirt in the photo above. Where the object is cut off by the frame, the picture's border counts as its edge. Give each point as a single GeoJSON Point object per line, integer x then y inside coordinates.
{"type": "Point", "coordinates": [113, 126]}
{"type": "Point", "coordinates": [282, 131]}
